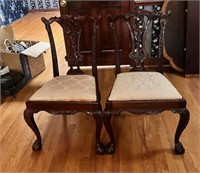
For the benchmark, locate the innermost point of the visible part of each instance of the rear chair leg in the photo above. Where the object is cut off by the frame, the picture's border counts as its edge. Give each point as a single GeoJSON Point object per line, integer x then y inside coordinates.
{"type": "Point", "coordinates": [28, 116]}
{"type": "Point", "coordinates": [110, 147]}
{"type": "Point", "coordinates": [183, 121]}
{"type": "Point", "coordinates": [98, 119]}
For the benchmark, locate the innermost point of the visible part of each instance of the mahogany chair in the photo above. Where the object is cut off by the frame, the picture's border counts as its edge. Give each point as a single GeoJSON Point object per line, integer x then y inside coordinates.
{"type": "Point", "coordinates": [74, 92]}
{"type": "Point", "coordinates": [141, 90]}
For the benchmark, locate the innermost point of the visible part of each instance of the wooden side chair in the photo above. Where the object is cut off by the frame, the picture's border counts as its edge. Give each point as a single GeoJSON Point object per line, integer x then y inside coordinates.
{"type": "Point", "coordinates": [74, 92]}
{"type": "Point", "coordinates": [140, 91]}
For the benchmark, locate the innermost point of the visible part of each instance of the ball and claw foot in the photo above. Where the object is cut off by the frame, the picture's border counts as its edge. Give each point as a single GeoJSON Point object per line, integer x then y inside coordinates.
{"type": "Point", "coordinates": [100, 148]}
{"type": "Point", "coordinates": [37, 146]}
{"type": "Point", "coordinates": [179, 149]}
{"type": "Point", "coordinates": [110, 148]}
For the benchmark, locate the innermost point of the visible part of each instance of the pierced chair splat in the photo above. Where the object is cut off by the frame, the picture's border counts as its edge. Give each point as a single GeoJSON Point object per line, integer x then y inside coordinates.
{"type": "Point", "coordinates": [141, 90]}
{"type": "Point", "coordinates": [75, 91]}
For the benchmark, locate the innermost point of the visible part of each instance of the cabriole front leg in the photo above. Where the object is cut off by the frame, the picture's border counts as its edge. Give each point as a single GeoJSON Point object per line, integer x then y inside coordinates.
{"type": "Point", "coordinates": [28, 116]}
{"type": "Point", "coordinates": [183, 121]}
{"type": "Point", "coordinates": [98, 119]}
{"type": "Point", "coordinates": [110, 147]}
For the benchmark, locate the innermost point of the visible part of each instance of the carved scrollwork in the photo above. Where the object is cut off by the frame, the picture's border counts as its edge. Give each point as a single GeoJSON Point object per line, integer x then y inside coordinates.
{"type": "Point", "coordinates": [111, 112]}
{"type": "Point", "coordinates": [138, 23]}
{"type": "Point", "coordinates": [146, 112]}
{"type": "Point", "coordinates": [73, 29]}
{"type": "Point", "coordinates": [71, 112]}
{"type": "Point", "coordinates": [96, 113]}
{"type": "Point", "coordinates": [133, 111]}
{"type": "Point", "coordinates": [60, 112]}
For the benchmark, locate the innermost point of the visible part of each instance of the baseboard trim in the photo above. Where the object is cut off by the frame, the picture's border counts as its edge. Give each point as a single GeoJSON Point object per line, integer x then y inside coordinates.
{"type": "Point", "coordinates": [192, 75]}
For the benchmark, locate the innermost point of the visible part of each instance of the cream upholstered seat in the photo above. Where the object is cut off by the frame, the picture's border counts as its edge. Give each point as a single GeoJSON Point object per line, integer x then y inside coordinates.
{"type": "Point", "coordinates": [67, 88]}
{"type": "Point", "coordinates": [142, 86]}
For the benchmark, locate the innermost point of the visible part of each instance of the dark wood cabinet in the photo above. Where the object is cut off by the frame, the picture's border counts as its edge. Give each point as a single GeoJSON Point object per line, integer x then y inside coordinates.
{"type": "Point", "coordinates": [105, 47]}
{"type": "Point", "coordinates": [182, 36]}
{"type": "Point", "coordinates": [182, 32]}
{"type": "Point", "coordinates": [192, 38]}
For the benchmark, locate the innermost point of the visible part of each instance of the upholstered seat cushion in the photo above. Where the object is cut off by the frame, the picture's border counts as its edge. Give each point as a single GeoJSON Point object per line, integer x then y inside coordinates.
{"type": "Point", "coordinates": [67, 88]}
{"type": "Point", "coordinates": [142, 86]}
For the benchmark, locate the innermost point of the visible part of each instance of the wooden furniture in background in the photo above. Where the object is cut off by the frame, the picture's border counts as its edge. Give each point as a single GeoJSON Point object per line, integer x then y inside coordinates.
{"type": "Point", "coordinates": [182, 33]}
{"type": "Point", "coordinates": [105, 48]}
{"type": "Point", "coordinates": [182, 36]}
{"type": "Point", "coordinates": [139, 91]}
{"type": "Point", "coordinates": [74, 92]}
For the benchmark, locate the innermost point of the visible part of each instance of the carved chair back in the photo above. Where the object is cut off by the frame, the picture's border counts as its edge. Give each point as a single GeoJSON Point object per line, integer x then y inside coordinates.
{"type": "Point", "coordinates": [139, 25]}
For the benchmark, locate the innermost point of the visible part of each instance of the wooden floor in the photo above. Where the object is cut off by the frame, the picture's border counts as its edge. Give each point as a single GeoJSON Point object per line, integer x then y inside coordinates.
{"type": "Point", "coordinates": [145, 143]}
